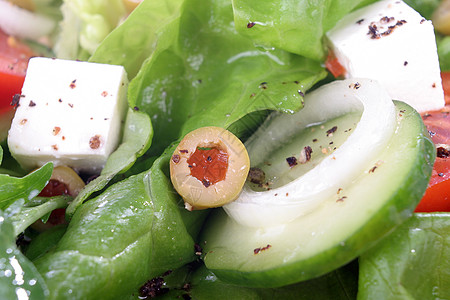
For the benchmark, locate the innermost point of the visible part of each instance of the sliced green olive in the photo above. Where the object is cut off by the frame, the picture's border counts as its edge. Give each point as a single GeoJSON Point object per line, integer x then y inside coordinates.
{"type": "Point", "coordinates": [441, 17]}
{"type": "Point", "coordinates": [64, 181]}
{"type": "Point", "coordinates": [209, 167]}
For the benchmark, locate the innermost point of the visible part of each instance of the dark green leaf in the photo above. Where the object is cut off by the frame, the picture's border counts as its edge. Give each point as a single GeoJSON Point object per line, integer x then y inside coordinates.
{"type": "Point", "coordinates": [444, 52]}
{"type": "Point", "coordinates": [38, 208]}
{"type": "Point", "coordinates": [129, 45]}
{"type": "Point", "coordinates": [294, 26]}
{"type": "Point", "coordinates": [45, 241]}
{"type": "Point", "coordinates": [133, 231]}
{"type": "Point", "coordinates": [411, 263]}
{"type": "Point", "coordinates": [19, 279]}
{"type": "Point", "coordinates": [202, 284]}
{"type": "Point", "coordinates": [205, 74]}
{"type": "Point", "coordinates": [26, 188]}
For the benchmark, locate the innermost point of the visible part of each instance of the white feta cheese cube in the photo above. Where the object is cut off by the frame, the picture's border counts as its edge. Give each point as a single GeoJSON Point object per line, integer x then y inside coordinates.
{"type": "Point", "coordinates": [70, 113]}
{"type": "Point", "coordinates": [392, 43]}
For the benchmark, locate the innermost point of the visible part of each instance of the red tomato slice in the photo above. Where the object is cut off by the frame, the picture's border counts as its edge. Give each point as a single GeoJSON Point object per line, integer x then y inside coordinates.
{"type": "Point", "coordinates": [446, 85]}
{"type": "Point", "coordinates": [14, 58]}
{"type": "Point", "coordinates": [333, 65]}
{"type": "Point", "coordinates": [437, 195]}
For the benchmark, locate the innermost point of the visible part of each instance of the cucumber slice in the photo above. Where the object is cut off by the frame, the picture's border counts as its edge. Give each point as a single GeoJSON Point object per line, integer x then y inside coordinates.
{"type": "Point", "coordinates": [337, 231]}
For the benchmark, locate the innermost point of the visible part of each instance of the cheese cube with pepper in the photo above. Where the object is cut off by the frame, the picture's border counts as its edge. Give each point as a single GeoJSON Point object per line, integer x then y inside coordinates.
{"type": "Point", "coordinates": [69, 113]}
{"type": "Point", "coordinates": [392, 43]}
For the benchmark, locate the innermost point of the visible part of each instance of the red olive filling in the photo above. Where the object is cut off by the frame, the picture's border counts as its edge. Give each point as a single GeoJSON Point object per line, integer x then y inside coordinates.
{"type": "Point", "coordinates": [54, 188]}
{"type": "Point", "coordinates": [209, 165]}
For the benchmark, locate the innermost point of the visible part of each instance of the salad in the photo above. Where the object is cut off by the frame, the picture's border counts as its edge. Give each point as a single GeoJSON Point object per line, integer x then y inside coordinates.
{"type": "Point", "coordinates": [193, 64]}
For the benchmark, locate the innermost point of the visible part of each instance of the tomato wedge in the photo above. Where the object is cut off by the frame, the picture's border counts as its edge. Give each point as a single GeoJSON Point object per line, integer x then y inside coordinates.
{"type": "Point", "coordinates": [446, 85]}
{"type": "Point", "coordinates": [437, 196]}
{"type": "Point", "coordinates": [14, 57]}
{"type": "Point", "coordinates": [334, 66]}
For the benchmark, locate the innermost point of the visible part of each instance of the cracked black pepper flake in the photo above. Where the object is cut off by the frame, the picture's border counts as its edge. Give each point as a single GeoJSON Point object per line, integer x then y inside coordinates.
{"type": "Point", "coordinates": [341, 199]}
{"type": "Point", "coordinates": [292, 161]}
{"type": "Point", "coordinates": [442, 152]}
{"type": "Point", "coordinates": [250, 24]}
{"type": "Point", "coordinates": [331, 131]}
{"type": "Point", "coordinates": [56, 130]}
{"type": "Point", "coordinates": [16, 99]}
{"type": "Point", "coordinates": [198, 250]}
{"type": "Point", "coordinates": [258, 250]}
{"type": "Point", "coordinates": [32, 103]}
{"type": "Point", "coordinates": [73, 84]}
{"type": "Point", "coordinates": [176, 158]}
{"type": "Point", "coordinates": [376, 34]}
{"type": "Point", "coordinates": [94, 142]}
{"type": "Point", "coordinates": [256, 175]}
{"type": "Point", "coordinates": [355, 85]}
{"type": "Point", "coordinates": [153, 288]}
{"type": "Point", "coordinates": [206, 183]}
{"type": "Point", "coordinates": [305, 155]}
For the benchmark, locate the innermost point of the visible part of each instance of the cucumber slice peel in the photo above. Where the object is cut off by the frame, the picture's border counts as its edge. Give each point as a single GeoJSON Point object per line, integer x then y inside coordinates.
{"type": "Point", "coordinates": [303, 194]}
{"type": "Point", "coordinates": [337, 231]}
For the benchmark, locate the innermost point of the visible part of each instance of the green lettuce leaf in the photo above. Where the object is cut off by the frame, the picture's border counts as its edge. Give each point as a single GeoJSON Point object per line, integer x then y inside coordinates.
{"type": "Point", "coordinates": [197, 282]}
{"type": "Point", "coordinates": [25, 188]}
{"type": "Point", "coordinates": [133, 231]}
{"type": "Point", "coordinates": [205, 74]}
{"type": "Point", "coordinates": [411, 263]}
{"type": "Point", "coordinates": [19, 279]}
{"type": "Point", "coordinates": [149, 25]}
{"type": "Point", "coordinates": [443, 46]}
{"type": "Point", "coordinates": [36, 209]}
{"type": "Point", "coordinates": [294, 26]}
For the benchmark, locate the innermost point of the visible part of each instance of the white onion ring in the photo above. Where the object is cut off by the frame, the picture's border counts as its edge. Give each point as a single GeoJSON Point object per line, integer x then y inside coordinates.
{"type": "Point", "coordinates": [22, 23]}
{"type": "Point", "coordinates": [370, 137]}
